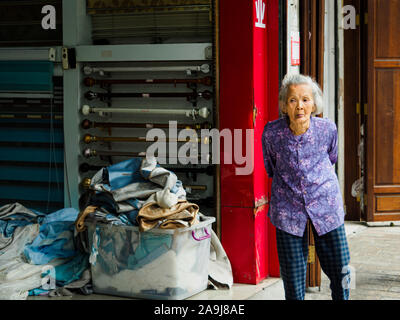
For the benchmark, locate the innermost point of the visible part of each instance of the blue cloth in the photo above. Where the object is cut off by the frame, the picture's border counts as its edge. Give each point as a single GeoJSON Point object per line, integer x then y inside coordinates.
{"type": "Point", "coordinates": [63, 215]}
{"type": "Point", "coordinates": [94, 251]}
{"type": "Point", "coordinates": [135, 263]}
{"type": "Point", "coordinates": [116, 177]}
{"type": "Point", "coordinates": [125, 220]}
{"type": "Point", "coordinates": [38, 292]}
{"type": "Point", "coordinates": [16, 215]}
{"type": "Point", "coordinates": [7, 228]}
{"type": "Point", "coordinates": [304, 182]}
{"type": "Point", "coordinates": [114, 249]}
{"type": "Point", "coordinates": [71, 270]}
{"type": "Point", "coordinates": [132, 215]}
{"type": "Point", "coordinates": [151, 246]}
{"type": "Point", "coordinates": [64, 274]}
{"type": "Point", "coordinates": [333, 253]}
{"type": "Point", "coordinates": [124, 173]}
{"type": "Point", "coordinates": [55, 238]}
{"type": "Point", "coordinates": [104, 200]}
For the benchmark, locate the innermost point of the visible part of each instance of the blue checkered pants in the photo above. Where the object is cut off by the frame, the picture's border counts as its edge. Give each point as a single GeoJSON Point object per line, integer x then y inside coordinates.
{"type": "Point", "coordinates": [333, 253]}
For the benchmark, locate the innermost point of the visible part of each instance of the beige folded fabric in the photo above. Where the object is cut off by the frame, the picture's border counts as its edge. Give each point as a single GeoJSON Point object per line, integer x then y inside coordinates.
{"type": "Point", "coordinates": [80, 220]}
{"type": "Point", "coordinates": [183, 214]}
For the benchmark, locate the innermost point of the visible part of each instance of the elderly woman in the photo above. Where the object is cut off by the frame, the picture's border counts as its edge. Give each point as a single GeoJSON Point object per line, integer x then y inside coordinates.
{"type": "Point", "coordinates": [299, 152]}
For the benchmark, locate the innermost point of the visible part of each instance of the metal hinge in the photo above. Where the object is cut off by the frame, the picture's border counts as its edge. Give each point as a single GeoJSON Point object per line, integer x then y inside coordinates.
{"type": "Point", "coordinates": [68, 58]}
{"type": "Point", "coordinates": [358, 19]}
{"type": "Point", "coordinates": [311, 254]}
{"type": "Point", "coordinates": [208, 53]}
{"type": "Point", "coordinates": [358, 108]}
{"type": "Point", "coordinates": [52, 54]}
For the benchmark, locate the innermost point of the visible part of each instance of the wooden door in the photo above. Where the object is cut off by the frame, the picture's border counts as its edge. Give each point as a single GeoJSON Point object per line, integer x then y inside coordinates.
{"type": "Point", "coordinates": [383, 123]}
{"type": "Point", "coordinates": [353, 55]}
{"type": "Point", "coordinates": [312, 64]}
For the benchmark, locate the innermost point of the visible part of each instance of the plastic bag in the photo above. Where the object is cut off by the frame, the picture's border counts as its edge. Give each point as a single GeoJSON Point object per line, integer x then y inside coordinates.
{"type": "Point", "coordinates": [18, 277]}
{"type": "Point", "coordinates": [22, 236]}
{"type": "Point", "coordinates": [357, 187]}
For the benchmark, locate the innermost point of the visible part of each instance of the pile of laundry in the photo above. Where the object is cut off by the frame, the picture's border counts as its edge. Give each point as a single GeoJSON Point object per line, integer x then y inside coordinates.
{"type": "Point", "coordinates": [38, 255]}
{"type": "Point", "coordinates": [140, 193]}
{"type": "Point", "coordinates": [48, 254]}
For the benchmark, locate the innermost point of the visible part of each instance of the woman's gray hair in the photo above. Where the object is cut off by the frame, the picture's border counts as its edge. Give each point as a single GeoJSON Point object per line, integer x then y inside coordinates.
{"type": "Point", "coordinates": [296, 79]}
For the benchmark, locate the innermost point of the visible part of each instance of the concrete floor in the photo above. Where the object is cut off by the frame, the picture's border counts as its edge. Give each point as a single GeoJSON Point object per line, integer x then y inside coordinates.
{"type": "Point", "coordinates": [375, 259]}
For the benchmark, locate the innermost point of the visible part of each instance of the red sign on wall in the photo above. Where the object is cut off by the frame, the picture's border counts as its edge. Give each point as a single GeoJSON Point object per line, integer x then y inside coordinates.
{"type": "Point", "coordinates": [295, 45]}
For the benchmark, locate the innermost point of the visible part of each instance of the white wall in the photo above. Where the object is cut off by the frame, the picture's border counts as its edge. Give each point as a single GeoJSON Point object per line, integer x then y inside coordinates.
{"type": "Point", "coordinates": [329, 61]}
{"type": "Point", "coordinates": [340, 92]}
{"type": "Point", "coordinates": [293, 25]}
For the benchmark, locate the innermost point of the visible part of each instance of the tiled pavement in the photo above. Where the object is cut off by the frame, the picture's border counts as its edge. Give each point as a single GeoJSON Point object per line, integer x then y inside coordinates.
{"type": "Point", "coordinates": [375, 258]}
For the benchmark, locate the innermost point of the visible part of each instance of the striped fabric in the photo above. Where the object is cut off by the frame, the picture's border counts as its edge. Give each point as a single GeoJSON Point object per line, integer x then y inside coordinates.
{"type": "Point", "coordinates": [333, 253]}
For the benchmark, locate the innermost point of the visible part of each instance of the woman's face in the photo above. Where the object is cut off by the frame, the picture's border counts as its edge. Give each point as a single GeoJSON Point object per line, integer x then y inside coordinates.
{"type": "Point", "coordinates": [300, 104]}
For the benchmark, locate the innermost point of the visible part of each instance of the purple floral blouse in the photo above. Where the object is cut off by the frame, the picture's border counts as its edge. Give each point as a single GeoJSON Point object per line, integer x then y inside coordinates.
{"type": "Point", "coordinates": [304, 182]}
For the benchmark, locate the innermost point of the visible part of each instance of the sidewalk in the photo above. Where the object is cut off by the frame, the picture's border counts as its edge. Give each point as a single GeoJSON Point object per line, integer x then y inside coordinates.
{"type": "Point", "coordinates": [374, 254]}
{"type": "Point", "coordinates": [375, 257]}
